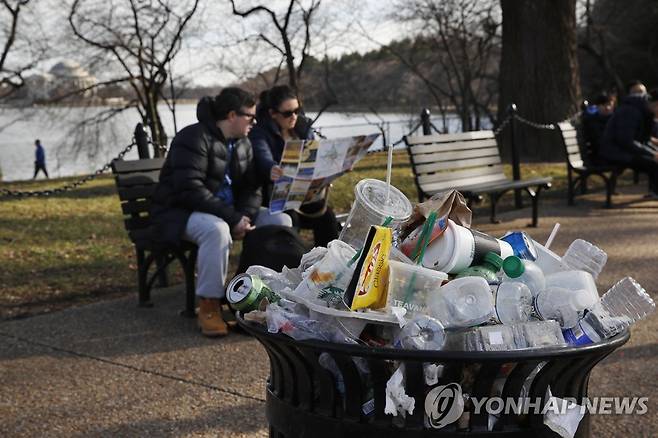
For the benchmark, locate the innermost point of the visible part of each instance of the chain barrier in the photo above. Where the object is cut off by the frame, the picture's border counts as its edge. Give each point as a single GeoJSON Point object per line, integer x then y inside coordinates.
{"type": "Point", "coordinates": [547, 126]}
{"type": "Point", "coordinates": [6, 193]}
{"type": "Point", "coordinates": [503, 125]}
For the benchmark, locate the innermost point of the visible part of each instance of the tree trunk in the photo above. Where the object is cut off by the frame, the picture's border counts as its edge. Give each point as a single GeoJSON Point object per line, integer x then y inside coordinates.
{"type": "Point", "coordinates": [538, 72]}
{"type": "Point", "coordinates": [158, 134]}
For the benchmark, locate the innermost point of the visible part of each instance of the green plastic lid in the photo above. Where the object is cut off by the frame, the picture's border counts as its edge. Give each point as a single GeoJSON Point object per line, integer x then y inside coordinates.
{"type": "Point", "coordinates": [494, 259]}
{"type": "Point", "coordinates": [513, 267]}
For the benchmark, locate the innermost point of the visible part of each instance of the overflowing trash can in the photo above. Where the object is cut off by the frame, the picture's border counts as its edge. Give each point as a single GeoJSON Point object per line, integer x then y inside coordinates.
{"type": "Point", "coordinates": [305, 399]}
{"type": "Point", "coordinates": [413, 324]}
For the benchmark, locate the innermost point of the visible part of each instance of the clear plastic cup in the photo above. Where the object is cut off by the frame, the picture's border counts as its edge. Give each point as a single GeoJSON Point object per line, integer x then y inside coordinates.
{"type": "Point", "coordinates": [331, 271]}
{"type": "Point", "coordinates": [409, 286]}
{"type": "Point", "coordinates": [370, 208]}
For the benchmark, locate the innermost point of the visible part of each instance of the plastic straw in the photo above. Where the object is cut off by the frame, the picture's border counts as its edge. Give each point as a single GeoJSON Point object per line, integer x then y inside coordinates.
{"type": "Point", "coordinates": [552, 236]}
{"type": "Point", "coordinates": [389, 170]}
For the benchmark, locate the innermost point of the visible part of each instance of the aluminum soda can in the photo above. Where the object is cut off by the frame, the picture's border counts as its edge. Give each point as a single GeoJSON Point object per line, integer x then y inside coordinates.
{"type": "Point", "coordinates": [245, 292]}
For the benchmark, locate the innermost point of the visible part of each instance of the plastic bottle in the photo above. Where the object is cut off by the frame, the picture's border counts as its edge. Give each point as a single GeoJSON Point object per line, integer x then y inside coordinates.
{"type": "Point", "coordinates": [462, 302]}
{"type": "Point", "coordinates": [522, 245]}
{"type": "Point", "coordinates": [526, 272]}
{"type": "Point", "coordinates": [580, 283]}
{"type": "Point", "coordinates": [421, 333]}
{"type": "Point", "coordinates": [584, 256]}
{"type": "Point", "coordinates": [561, 305]}
{"type": "Point", "coordinates": [487, 270]}
{"type": "Point", "coordinates": [513, 302]}
{"type": "Point", "coordinates": [622, 305]}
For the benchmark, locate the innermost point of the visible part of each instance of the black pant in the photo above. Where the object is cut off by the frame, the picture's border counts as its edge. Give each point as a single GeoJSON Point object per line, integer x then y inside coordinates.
{"type": "Point", "coordinates": [38, 167]}
{"type": "Point", "coordinates": [647, 164]}
{"type": "Point", "coordinates": [325, 227]}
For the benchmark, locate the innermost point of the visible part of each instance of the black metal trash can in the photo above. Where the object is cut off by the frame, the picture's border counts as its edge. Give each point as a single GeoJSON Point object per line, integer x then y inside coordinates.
{"type": "Point", "coordinates": [303, 399]}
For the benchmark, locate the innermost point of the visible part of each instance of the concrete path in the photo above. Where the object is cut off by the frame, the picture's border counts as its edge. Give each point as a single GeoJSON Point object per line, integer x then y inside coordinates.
{"type": "Point", "coordinates": [112, 369]}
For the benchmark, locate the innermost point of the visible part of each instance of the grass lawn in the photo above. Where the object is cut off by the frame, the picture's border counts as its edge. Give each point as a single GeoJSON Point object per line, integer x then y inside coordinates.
{"type": "Point", "coordinates": [72, 248]}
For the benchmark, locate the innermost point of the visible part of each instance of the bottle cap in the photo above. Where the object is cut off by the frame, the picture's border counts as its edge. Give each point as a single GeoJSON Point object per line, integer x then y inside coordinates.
{"type": "Point", "coordinates": [513, 267]}
{"type": "Point", "coordinates": [494, 259]}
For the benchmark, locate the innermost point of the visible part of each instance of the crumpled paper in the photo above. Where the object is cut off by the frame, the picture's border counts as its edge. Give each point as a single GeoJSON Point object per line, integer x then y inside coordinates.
{"type": "Point", "coordinates": [564, 423]}
{"type": "Point", "coordinates": [397, 400]}
{"type": "Point", "coordinates": [449, 204]}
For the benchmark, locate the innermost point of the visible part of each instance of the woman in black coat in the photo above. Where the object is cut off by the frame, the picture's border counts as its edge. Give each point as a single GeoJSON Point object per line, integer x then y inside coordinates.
{"type": "Point", "coordinates": [280, 120]}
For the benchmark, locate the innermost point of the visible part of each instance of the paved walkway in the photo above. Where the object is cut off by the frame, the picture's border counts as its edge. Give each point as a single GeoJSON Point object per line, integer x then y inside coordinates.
{"type": "Point", "coordinates": [112, 369]}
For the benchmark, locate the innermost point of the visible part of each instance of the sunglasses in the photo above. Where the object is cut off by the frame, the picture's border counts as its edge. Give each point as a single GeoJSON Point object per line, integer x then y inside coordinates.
{"type": "Point", "coordinates": [288, 114]}
{"type": "Point", "coordinates": [251, 117]}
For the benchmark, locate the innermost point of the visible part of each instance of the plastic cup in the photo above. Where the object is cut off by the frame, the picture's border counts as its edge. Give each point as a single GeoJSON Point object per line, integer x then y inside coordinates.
{"type": "Point", "coordinates": [409, 286]}
{"type": "Point", "coordinates": [370, 208]}
{"type": "Point", "coordinates": [331, 270]}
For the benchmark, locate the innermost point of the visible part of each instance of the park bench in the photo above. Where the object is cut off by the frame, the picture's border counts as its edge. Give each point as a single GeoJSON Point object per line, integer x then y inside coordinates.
{"type": "Point", "coordinates": [135, 182]}
{"type": "Point", "coordinates": [578, 169]}
{"type": "Point", "coordinates": [469, 162]}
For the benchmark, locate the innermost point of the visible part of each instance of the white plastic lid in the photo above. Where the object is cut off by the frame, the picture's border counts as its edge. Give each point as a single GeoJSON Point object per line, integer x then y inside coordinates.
{"type": "Point", "coordinates": [372, 194]}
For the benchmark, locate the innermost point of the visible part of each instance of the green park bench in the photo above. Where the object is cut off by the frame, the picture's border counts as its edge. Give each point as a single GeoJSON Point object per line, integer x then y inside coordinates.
{"type": "Point", "coordinates": [469, 162]}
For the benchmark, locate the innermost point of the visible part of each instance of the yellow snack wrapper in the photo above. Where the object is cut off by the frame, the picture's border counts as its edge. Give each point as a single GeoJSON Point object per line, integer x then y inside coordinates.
{"type": "Point", "coordinates": [370, 280]}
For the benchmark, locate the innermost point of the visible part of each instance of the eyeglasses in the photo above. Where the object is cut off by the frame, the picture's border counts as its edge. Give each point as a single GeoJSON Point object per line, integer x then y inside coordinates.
{"type": "Point", "coordinates": [288, 114]}
{"type": "Point", "coordinates": [251, 117]}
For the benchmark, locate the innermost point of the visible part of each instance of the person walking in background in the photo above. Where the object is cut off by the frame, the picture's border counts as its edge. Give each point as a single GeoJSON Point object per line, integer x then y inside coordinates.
{"type": "Point", "coordinates": [280, 120]}
{"type": "Point", "coordinates": [39, 159]}
{"type": "Point", "coordinates": [209, 194]}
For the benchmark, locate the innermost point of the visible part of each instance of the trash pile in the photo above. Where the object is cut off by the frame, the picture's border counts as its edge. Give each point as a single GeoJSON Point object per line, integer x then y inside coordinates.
{"type": "Point", "coordinates": [423, 279]}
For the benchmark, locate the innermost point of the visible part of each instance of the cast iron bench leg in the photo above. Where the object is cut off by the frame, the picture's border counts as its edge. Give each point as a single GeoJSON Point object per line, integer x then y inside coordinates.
{"type": "Point", "coordinates": [190, 296]}
{"type": "Point", "coordinates": [142, 274]}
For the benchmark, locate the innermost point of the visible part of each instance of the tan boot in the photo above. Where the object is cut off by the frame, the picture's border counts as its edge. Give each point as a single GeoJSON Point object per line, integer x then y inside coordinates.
{"type": "Point", "coordinates": [210, 318]}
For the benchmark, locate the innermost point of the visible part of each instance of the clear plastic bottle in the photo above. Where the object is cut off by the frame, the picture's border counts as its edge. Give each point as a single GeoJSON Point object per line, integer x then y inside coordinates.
{"type": "Point", "coordinates": [584, 256]}
{"type": "Point", "coordinates": [561, 305]}
{"type": "Point", "coordinates": [487, 270]}
{"type": "Point", "coordinates": [421, 333]}
{"type": "Point", "coordinates": [526, 272]}
{"type": "Point", "coordinates": [513, 302]}
{"type": "Point", "coordinates": [622, 305]}
{"type": "Point", "coordinates": [462, 302]}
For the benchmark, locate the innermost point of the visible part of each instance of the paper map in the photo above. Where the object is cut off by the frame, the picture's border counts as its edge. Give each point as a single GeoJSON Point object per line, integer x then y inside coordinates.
{"type": "Point", "coordinates": [309, 166]}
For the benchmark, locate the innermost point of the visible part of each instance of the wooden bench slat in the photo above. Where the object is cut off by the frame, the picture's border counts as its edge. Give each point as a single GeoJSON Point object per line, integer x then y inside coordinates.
{"type": "Point", "coordinates": [136, 207]}
{"type": "Point", "coordinates": [461, 184]}
{"type": "Point", "coordinates": [573, 148]}
{"type": "Point", "coordinates": [457, 164]}
{"type": "Point", "coordinates": [129, 166]}
{"type": "Point", "coordinates": [136, 192]}
{"type": "Point", "coordinates": [473, 135]}
{"type": "Point", "coordinates": [461, 174]}
{"type": "Point", "coordinates": [457, 155]}
{"type": "Point", "coordinates": [453, 146]}
{"type": "Point", "coordinates": [137, 179]}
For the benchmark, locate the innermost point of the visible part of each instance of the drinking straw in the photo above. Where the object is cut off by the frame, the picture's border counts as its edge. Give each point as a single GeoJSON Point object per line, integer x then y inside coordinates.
{"type": "Point", "coordinates": [552, 236]}
{"type": "Point", "coordinates": [423, 242]}
{"type": "Point", "coordinates": [389, 169]}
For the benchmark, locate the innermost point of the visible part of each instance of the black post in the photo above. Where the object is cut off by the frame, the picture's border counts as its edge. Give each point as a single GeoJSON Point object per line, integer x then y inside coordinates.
{"type": "Point", "coordinates": [516, 169]}
{"type": "Point", "coordinates": [425, 121]}
{"type": "Point", "coordinates": [142, 142]}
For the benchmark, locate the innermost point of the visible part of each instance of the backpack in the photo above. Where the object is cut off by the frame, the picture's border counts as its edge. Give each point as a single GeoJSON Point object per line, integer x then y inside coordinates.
{"type": "Point", "coordinates": [273, 246]}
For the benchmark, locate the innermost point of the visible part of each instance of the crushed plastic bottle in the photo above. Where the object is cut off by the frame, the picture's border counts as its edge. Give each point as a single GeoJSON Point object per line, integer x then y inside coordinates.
{"type": "Point", "coordinates": [585, 256]}
{"type": "Point", "coordinates": [622, 305]}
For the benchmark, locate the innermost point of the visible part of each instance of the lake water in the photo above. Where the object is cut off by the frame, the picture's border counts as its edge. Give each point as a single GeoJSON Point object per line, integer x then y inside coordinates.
{"type": "Point", "coordinates": [19, 129]}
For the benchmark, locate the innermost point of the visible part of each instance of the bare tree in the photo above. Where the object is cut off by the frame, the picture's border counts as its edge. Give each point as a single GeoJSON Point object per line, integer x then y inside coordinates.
{"type": "Point", "coordinates": [297, 18]}
{"type": "Point", "coordinates": [18, 52]}
{"type": "Point", "coordinates": [141, 38]}
{"type": "Point", "coordinates": [454, 53]}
